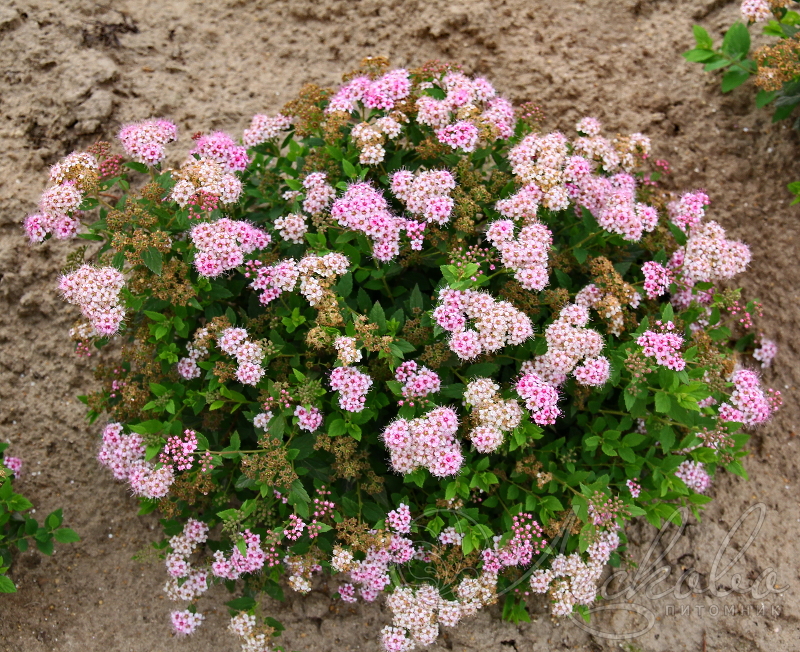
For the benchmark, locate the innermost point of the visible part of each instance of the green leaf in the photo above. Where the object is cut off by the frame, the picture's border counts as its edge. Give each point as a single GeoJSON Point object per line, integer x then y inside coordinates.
{"type": "Point", "coordinates": [716, 64]}
{"type": "Point", "coordinates": [765, 97]}
{"type": "Point", "coordinates": [135, 165]}
{"type": "Point", "coordinates": [698, 56]}
{"type": "Point", "coordinates": [733, 79]}
{"type": "Point", "coordinates": [345, 285]}
{"type": "Point", "coordinates": [349, 169]}
{"type": "Point", "coordinates": [244, 603]}
{"type": "Point", "coordinates": [66, 535]}
{"type": "Point", "coordinates": [6, 585]}
{"type": "Point", "coordinates": [702, 38]}
{"type": "Point", "coordinates": [151, 257]}
{"type": "Point", "coordinates": [337, 428]}
{"type": "Point", "coordinates": [736, 43]}
{"type": "Point", "coordinates": [18, 503]}
{"type": "Point", "coordinates": [45, 547]}
{"type": "Point", "coordinates": [663, 402]}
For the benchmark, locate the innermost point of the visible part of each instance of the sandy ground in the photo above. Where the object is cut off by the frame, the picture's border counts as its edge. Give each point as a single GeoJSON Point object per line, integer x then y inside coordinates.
{"type": "Point", "coordinates": [69, 78]}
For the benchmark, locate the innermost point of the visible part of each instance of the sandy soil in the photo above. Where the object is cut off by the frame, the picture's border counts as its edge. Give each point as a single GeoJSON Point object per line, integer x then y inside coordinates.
{"type": "Point", "coordinates": [69, 78]}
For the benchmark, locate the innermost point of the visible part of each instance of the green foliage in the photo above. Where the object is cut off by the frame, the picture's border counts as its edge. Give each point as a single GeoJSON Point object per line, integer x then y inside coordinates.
{"type": "Point", "coordinates": [643, 423]}
{"type": "Point", "coordinates": [18, 529]}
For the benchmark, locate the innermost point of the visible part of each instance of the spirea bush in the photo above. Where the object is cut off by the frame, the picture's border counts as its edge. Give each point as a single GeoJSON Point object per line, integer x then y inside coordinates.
{"type": "Point", "coordinates": [403, 336]}
{"type": "Point", "coordinates": [18, 527]}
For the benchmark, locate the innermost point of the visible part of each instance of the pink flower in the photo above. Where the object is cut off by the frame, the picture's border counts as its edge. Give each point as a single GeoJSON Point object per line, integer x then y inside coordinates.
{"type": "Point", "coordinates": [221, 148]}
{"type": "Point", "coordinates": [663, 345]}
{"type": "Point", "coordinates": [460, 135]}
{"type": "Point", "coordinates": [352, 386]}
{"type": "Point", "coordinates": [308, 419]}
{"type": "Point", "coordinates": [96, 290]}
{"type": "Point", "coordinates": [263, 128]}
{"type": "Point", "coordinates": [222, 244]}
{"type": "Point", "coordinates": [144, 142]}
{"type": "Point", "coordinates": [694, 475]}
{"type": "Point", "coordinates": [186, 622]}
{"type": "Point", "coordinates": [540, 398]}
{"type": "Point", "coordinates": [657, 279]}
{"type": "Point", "coordinates": [13, 464]}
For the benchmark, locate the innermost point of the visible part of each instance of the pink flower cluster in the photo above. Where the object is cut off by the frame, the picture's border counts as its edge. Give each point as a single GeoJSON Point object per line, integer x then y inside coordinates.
{"type": "Point", "coordinates": [124, 456]}
{"type": "Point", "coordinates": [749, 403]}
{"type": "Point", "coordinates": [369, 138]}
{"type": "Point", "coordinates": [522, 205]}
{"type": "Point", "coordinates": [243, 625]}
{"type": "Point", "coordinates": [364, 209]}
{"type": "Point", "coordinates": [222, 244]}
{"type": "Point", "coordinates": [263, 128]}
{"type": "Point", "coordinates": [709, 256]}
{"type": "Point", "coordinates": [540, 397]}
{"type": "Point", "coordinates": [634, 487]}
{"type": "Point", "coordinates": [497, 323]}
{"type": "Point", "coordinates": [463, 135]}
{"type": "Point", "coordinates": [319, 193]}
{"type": "Point", "coordinates": [426, 195]}
{"type": "Point", "coordinates": [96, 290]}
{"type": "Point", "coordinates": [292, 227]}
{"type": "Point", "coordinates": [664, 345]}
{"type": "Point", "coordinates": [526, 541]}
{"type": "Point", "coordinates": [197, 350]}
{"type": "Point", "coordinates": [542, 165]}
{"type": "Point", "coordinates": [492, 414]}
{"type": "Point", "coordinates": [204, 184]}
{"type": "Point", "coordinates": [315, 270]}
{"type": "Point", "coordinates": [756, 11]}
{"type": "Point", "coordinates": [400, 519]}
{"type": "Point", "coordinates": [233, 567]}
{"type": "Point", "coordinates": [308, 419]}
{"type": "Point", "coordinates": [177, 452]}
{"type": "Point", "coordinates": [569, 342]}
{"type": "Point", "coordinates": [322, 509]}
{"type": "Point", "coordinates": [465, 95]}
{"type": "Point", "coordinates": [13, 464]}
{"type": "Point", "coordinates": [418, 613]}
{"type": "Point", "coordinates": [417, 381]}
{"type": "Point", "coordinates": [657, 279]}
{"type": "Point", "coordinates": [186, 622]}
{"type": "Point", "coordinates": [526, 254]}
{"type": "Point", "coordinates": [352, 386]}
{"type": "Point", "coordinates": [609, 155]}
{"type": "Point", "coordinates": [765, 352]}
{"type": "Point", "coordinates": [694, 475]}
{"type": "Point", "coordinates": [372, 572]}
{"type": "Point", "coordinates": [144, 141]}
{"type": "Point", "coordinates": [59, 204]}
{"type": "Point", "coordinates": [220, 147]}
{"type": "Point", "coordinates": [186, 583]}
{"type": "Point", "coordinates": [248, 354]}
{"type": "Point", "coordinates": [613, 203]}
{"type": "Point", "coordinates": [347, 350]}
{"type": "Point", "coordinates": [382, 93]}
{"type": "Point", "coordinates": [428, 441]}
{"type": "Point", "coordinates": [300, 571]}
{"type": "Point", "coordinates": [688, 211]}
{"type": "Point", "coordinates": [274, 280]}
{"type": "Point", "coordinates": [571, 581]}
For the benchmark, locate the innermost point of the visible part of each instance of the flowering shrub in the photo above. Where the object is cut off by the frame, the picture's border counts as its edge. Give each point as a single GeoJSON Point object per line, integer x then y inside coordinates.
{"type": "Point", "coordinates": [404, 337]}
{"type": "Point", "coordinates": [17, 527]}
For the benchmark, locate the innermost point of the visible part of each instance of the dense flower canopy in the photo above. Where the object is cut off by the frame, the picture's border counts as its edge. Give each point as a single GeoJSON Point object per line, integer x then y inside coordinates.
{"type": "Point", "coordinates": [404, 328]}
